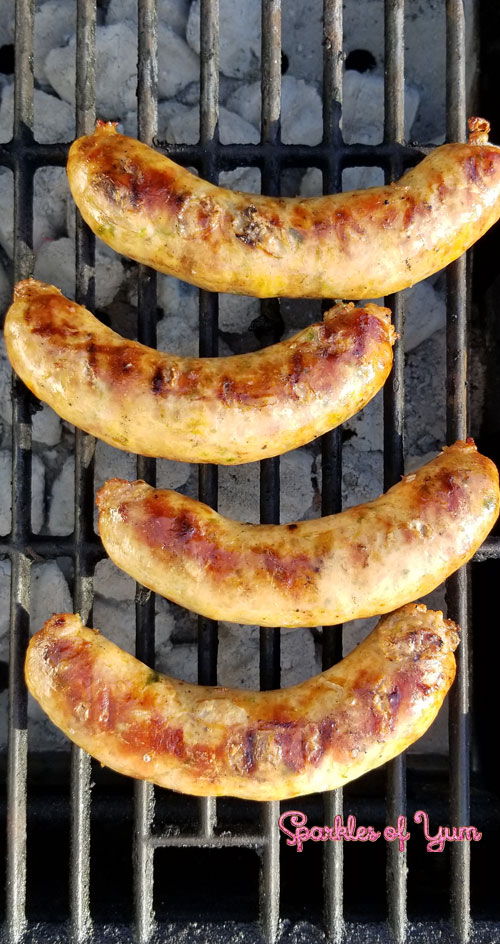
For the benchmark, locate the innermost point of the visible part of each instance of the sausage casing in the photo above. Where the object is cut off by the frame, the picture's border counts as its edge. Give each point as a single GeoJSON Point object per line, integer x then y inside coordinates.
{"type": "Point", "coordinates": [362, 244]}
{"type": "Point", "coordinates": [225, 410]}
{"type": "Point", "coordinates": [367, 560]}
{"type": "Point", "coordinates": [257, 745]}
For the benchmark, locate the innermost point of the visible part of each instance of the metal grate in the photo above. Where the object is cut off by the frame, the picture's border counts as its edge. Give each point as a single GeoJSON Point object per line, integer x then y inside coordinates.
{"type": "Point", "coordinates": [24, 156]}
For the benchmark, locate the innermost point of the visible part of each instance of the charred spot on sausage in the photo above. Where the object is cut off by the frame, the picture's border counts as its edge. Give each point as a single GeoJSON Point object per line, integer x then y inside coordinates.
{"type": "Point", "coordinates": [161, 380]}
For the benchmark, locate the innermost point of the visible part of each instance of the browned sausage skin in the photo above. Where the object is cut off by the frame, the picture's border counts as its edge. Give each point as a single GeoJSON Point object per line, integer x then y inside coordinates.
{"type": "Point", "coordinates": [365, 561]}
{"type": "Point", "coordinates": [256, 745]}
{"type": "Point", "coordinates": [225, 410]}
{"type": "Point", "coordinates": [362, 244]}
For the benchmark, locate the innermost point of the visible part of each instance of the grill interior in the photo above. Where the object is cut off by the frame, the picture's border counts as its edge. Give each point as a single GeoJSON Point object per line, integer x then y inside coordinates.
{"type": "Point", "coordinates": [143, 863]}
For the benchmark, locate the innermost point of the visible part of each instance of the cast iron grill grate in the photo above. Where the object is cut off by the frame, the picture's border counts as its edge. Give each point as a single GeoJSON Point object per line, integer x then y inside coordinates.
{"type": "Point", "coordinates": [23, 155]}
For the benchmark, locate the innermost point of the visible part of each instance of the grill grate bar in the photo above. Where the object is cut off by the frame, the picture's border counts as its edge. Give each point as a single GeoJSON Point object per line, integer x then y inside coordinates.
{"type": "Point", "coordinates": [396, 868]}
{"type": "Point", "coordinates": [144, 793]}
{"type": "Point", "coordinates": [80, 801]}
{"type": "Point", "coordinates": [227, 156]}
{"type": "Point", "coordinates": [226, 841]}
{"type": "Point", "coordinates": [270, 468]}
{"type": "Point", "coordinates": [456, 383]}
{"type": "Point", "coordinates": [208, 639]}
{"type": "Point", "coordinates": [21, 493]}
{"type": "Point", "coordinates": [331, 447]}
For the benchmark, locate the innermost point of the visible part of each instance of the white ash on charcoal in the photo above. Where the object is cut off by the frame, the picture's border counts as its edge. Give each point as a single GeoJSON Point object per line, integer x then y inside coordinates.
{"type": "Point", "coordinates": [4, 609]}
{"type": "Point", "coordinates": [301, 109]}
{"type": "Point", "coordinates": [425, 40]}
{"type": "Point", "coordinates": [37, 492]}
{"type": "Point", "coordinates": [116, 619]}
{"type": "Point", "coordinates": [62, 500]}
{"type": "Point", "coordinates": [55, 263]}
{"type": "Point", "coordinates": [6, 24]}
{"type": "Point", "coordinates": [239, 39]}
{"type": "Point", "coordinates": [5, 384]}
{"type": "Point", "coordinates": [236, 313]}
{"type": "Point", "coordinates": [363, 107]}
{"type": "Point", "coordinates": [171, 13]}
{"type": "Point", "coordinates": [55, 24]}
{"type": "Point", "coordinates": [115, 463]}
{"type": "Point", "coordinates": [46, 425]}
{"type": "Point", "coordinates": [116, 73]}
{"type": "Point", "coordinates": [184, 128]}
{"type": "Point", "coordinates": [6, 111]}
{"type": "Point", "coordinates": [180, 661]}
{"type": "Point", "coordinates": [362, 475]}
{"type": "Point", "coordinates": [110, 581]}
{"type": "Point", "coordinates": [363, 38]}
{"type": "Point", "coordinates": [54, 120]}
{"type": "Point", "coordinates": [112, 463]}
{"type": "Point", "coordinates": [353, 178]}
{"type": "Point", "coordinates": [425, 401]}
{"type": "Point", "coordinates": [167, 110]}
{"type": "Point", "coordinates": [5, 290]}
{"type": "Point", "coordinates": [238, 656]}
{"type": "Point", "coordinates": [50, 198]}
{"type": "Point", "coordinates": [178, 66]}
{"type": "Point", "coordinates": [365, 430]}
{"type": "Point", "coordinates": [178, 330]}
{"type": "Point", "coordinates": [245, 179]}
{"type": "Point", "coordinates": [170, 474]}
{"type": "Point", "coordinates": [425, 313]}
{"type": "Point", "coordinates": [116, 68]}
{"type": "Point", "coordinates": [239, 488]}
{"type": "Point", "coordinates": [49, 594]}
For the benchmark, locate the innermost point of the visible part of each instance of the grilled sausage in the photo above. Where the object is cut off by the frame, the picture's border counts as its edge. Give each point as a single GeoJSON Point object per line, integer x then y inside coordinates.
{"type": "Point", "coordinates": [225, 410]}
{"type": "Point", "coordinates": [255, 745]}
{"type": "Point", "coordinates": [363, 244]}
{"type": "Point", "coordinates": [366, 560]}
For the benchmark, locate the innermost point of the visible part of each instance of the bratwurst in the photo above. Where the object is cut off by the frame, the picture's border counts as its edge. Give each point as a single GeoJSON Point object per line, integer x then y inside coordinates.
{"type": "Point", "coordinates": [364, 561]}
{"type": "Point", "coordinates": [255, 745]}
{"type": "Point", "coordinates": [225, 410]}
{"type": "Point", "coordinates": [362, 244]}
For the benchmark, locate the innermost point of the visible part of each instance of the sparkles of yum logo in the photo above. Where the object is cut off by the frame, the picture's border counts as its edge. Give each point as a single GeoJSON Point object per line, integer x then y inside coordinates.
{"type": "Point", "coordinates": [350, 832]}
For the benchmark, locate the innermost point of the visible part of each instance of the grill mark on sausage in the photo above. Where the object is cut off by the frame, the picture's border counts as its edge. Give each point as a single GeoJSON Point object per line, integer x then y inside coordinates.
{"type": "Point", "coordinates": [131, 185]}
{"type": "Point", "coordinates": [97, 699]}
{"type": "Point", "coordinates": [360, 555]}
{"type": "Point", "coordinates": [446, 489]}
{"type": "Point", "coordinates": [183, 535]}
{"type": "Point", "coordinates": [472, 169]}
{"type": "Point", "coordinates": [150, 735]}
{"type": "Point", "coordinates": [293, 573]}
{"type": "Point", "coordinates": [297, 367]}
{"type": "Point", "coordinates": [305, 368]}
{"type": "Point", "coordinates": [342, 222]}
{"type": "Point", "coordinates": [161, 381]}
